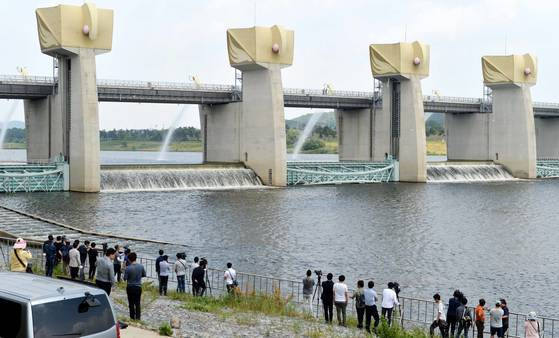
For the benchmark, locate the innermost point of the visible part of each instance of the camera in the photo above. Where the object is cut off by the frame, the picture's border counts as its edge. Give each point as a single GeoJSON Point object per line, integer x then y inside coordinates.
{"type": "Point", "coordinates": [397, 288]}
{"type": "Point", "coordinates": [318, 272]}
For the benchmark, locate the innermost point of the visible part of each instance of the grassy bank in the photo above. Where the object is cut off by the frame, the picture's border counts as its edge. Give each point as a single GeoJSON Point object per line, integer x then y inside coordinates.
{"type": "Point", "coordinates": [123, 145]}
{"type": "Point", "coordinates": [436, 146]}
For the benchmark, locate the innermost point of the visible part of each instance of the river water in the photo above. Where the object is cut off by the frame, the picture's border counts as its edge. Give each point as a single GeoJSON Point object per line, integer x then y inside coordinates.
{"type": "Point", "coordinates": [491, 240]}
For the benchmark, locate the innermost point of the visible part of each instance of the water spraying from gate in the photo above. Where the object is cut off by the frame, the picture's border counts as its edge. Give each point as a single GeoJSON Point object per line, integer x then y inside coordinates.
{"type": "Point", "coordinates": [307, 132]}
{"type": "Point", "coordinates": [6, 122]}
{"type": "Point", "coordinates": [170, 132]}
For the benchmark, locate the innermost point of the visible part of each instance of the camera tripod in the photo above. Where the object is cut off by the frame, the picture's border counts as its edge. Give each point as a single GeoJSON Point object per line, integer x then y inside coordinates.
{"type": "Point", "coordinates": [317, 290]}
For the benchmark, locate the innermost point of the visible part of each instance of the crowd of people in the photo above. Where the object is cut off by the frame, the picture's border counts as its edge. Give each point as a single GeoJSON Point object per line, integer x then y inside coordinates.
{"type": "Point", "coordinates": [113, 264]}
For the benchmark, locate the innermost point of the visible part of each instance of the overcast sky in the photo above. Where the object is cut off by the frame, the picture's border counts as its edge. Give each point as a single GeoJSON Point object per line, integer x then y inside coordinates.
{"type": "Point", "coordinates": [172, 40]}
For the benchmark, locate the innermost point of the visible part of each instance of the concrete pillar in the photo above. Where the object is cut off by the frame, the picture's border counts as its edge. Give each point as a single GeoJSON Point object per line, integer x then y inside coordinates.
{"type": "Point", "coordinates": [84, 156]}
{"type": "Point", "coordinates": [220, 128]}
{"type": "Point", "coordinates": [547, 138]}
{"type": "Point", "coordinates": [37, 120]}
{"type": "Point", "coordinates": [382, 125]}
{"type": "Point", "coordinates": [467, 137]}
{"type": "Point", "coordinates": [513, 133]}
{"type": "Point", "coordinates": [354, 134]}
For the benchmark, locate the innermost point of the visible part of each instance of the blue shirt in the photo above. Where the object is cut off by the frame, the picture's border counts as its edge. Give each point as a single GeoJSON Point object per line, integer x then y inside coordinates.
{"type": "Point", "coordinates": [370, 297]}
{"type": "Point", "coordinates": [134, 273]}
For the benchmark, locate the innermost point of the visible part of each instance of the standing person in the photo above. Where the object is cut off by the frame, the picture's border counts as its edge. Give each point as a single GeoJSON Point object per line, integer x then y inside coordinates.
{"type": "Point", "coordinates": [389, 301]}
{"type": "Point", "coordinates": [198, 279]}
{"type": "Point", "coordinates": [308, 288]}
{"type": "Point", "coordinates": [505, 309]}
{"type": "Point", "coordinates": [440, 318]}
{"type": "Point", "coordinates": [180, 271]}
{"type": "Point", "coordinates": [453, 304]}
{"type": "Point", "coordinates": [19, 260]}
{"type": "Point", "coordinates": [105, 277]}
{"type": "Point", "coordinates": [92, 255]}
{"type": "Point", "coordinates": [359, 297]}
{"type": "Point", "coordinates": [164, 272]}
{"type": "Point", "coordinates": [371, 306]}
{"type": "Point", "coordinates": [193, 266]}
{"type": "Point", "coordinates": [496, 320]}
{"type": "Point", "coordinates": [74, 261]}
{"type": "Point", "coordinates": [480, 318]}
{"type": "Point", "coordinates": [133, 276]}
{"type": "Point", "coordinates": [49, 251]}
{"type": "Point", "coordinates": [340, 300]}
{"type": "Point", "coordinates": [230, 277]}
{"type": "Point", "coordinates": [157, 261]}
{"type": "Point", "coordinates": [117, 263]}
{"type": "Point", "coordinates": [532, 326]}
{"type": "Point", "coordinates": [464, 316]}
{"type": "Point", "coordinates": [65, 250]}
{"type": "Point", "coordinates": [127, 261]}
{"type": "Point", "coordinates": [58, 245]}
{"type": "Point", "coordinates": [83, 249]}
{"type": "Point", "coordinates": [328, 298]}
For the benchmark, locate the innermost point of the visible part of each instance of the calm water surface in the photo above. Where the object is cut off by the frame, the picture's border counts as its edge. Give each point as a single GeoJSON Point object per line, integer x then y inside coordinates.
{"type": "Point", "coordinates": [490, 240]}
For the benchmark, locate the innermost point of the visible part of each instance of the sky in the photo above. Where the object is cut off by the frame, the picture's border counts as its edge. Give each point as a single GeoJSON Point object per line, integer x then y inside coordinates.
{"type": "Point", "coordinates": [172, 40]}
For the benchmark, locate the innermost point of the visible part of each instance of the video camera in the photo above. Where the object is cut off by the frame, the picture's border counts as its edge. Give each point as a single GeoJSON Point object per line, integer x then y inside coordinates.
{"type": "Point", "coordinates": [318, 272]}
{"type": "Point", "coordinates": [397, 288]}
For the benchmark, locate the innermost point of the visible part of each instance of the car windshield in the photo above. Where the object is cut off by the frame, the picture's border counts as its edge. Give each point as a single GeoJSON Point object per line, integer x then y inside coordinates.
{"type": "Point", "coordinates": [71, 318]}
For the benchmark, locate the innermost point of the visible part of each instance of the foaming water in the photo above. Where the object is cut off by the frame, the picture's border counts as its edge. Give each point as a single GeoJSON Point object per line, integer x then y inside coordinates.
{"type": "Point", "coordinates": [448, 173]}
{"type": "Point", "coordinates": [177, 179]}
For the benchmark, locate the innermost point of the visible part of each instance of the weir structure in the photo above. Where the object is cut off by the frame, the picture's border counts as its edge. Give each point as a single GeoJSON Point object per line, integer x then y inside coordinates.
{"type": "Point", "coordinates": [252, 131]}
{"type": "Point", "coordinates": [507, 136]}
{"type": "Point", "coordinates": [66, 122]}
{"type": "Point", "coordinates": [397, 129]}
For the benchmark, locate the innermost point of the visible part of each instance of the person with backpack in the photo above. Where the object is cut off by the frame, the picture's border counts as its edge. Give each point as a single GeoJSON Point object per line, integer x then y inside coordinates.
{"type": "Point", "coordinates": [19, 260]}
{"type": "Point", "coordinates": [359, 297]}
{"type": "Point", "coordinates": [328, 298]}
{"type": "Point", "coordinates": [464, 316]}
{"type": "Point", "coordinates": [180, 272]}
{"type": "Point", "coordinates": [230, 277]}
{"type": "Point", "coordinates": [308, 288]}
{"type": "Point", "coordinates": [371, 306]}
{"type": "Point", "coordinates": [532, 326]}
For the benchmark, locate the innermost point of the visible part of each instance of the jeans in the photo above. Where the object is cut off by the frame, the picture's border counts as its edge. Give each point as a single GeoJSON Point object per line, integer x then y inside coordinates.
{"type": "Point", "coordinates": [360, 314]}
{"type": "Point", "coordinates": [441, 324]}
{"type": "Point", "coordinates": [480, 327]}
{"type": "Point", "coordinates": [462, 326]}
{"type": "Point", "coordinates": [387, 312]}
{"type": "Point", "coordinates": [74, 272]}
{"type": "Point", "coordinates": [106, 286]}
{"type": "Point", "coordinates": [163, 285]}
{"type": "Point", "coordinates": [180, 284]}
{"type": "Point", "coordinates": [341, 312]}
{"type": "Point", "coordinates": [371, 311]}
{"type": "Point", "coordinates": [134, 294]}
{"type": "Point", "coordinates": [49, 266]}
{"type": "Point", "coordinates": [328, 311]}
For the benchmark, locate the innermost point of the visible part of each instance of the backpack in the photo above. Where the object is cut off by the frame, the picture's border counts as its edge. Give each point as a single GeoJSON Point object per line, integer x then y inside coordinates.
{"type": "Point", "coordinates": [467, 317]}
{"type": "Point", "coordinates": [360, 301]}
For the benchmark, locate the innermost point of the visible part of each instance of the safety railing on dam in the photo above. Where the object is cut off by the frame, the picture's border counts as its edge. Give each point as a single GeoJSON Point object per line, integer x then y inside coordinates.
{"type": "Point", "coordinates": [299, 173]}
{"type": "Point", "coordinates": [33, 177]}
{"type": "Point", "coordinates": [412, 311]}
{"type": "Point", "coordinates": [547, 168]}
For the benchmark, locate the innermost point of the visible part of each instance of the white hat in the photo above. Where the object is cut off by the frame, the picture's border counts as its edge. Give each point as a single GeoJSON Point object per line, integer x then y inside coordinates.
{"type": "Point", "coordinates": [20, 244]}
{"type": "Point", "coordinates": [532, 315]}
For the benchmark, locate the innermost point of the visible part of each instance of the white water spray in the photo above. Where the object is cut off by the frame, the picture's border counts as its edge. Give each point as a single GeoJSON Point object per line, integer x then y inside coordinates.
{"type": "Point", "coordinates": [6, 122]}
{"type": "Point", "coordinates": [170, 132]}
{"type": "Point", "coordinates": [306, 133]}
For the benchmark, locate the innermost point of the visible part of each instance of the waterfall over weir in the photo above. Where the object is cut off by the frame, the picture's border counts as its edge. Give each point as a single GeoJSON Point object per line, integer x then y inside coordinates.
{"type": "Point", "coordinates": [177, 179]}
{"type": "Point", "coordinates": [448, 172]}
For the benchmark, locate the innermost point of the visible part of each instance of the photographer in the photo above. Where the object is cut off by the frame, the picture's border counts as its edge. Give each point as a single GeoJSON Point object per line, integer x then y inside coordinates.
{"type": "Point", "coordinates": [19, 261]}
{"type": "Point", "coordinates": [308, 286]}
{"type": "Point", "coordinates": [328, 298]}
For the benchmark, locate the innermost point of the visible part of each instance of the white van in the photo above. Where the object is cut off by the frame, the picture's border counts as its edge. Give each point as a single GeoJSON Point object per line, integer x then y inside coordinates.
{"type": "Point", "coordinates": [36, 306]}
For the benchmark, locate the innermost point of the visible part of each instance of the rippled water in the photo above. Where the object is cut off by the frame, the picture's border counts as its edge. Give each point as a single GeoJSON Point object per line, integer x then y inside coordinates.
{"type": "Point", "coordinates": [491, 240]}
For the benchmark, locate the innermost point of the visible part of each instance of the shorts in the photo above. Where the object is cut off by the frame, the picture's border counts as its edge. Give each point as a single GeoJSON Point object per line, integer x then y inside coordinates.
{"type": "Point", "coordinates": [496, 330]}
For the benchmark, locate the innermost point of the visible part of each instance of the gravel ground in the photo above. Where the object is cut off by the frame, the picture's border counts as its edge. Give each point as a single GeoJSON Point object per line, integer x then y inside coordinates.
{"type": "Point", "coordinates": [227, 323]}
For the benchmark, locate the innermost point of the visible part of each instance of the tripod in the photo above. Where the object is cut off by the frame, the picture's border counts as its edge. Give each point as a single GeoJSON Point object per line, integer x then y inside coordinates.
{"type": "Point", "coordinates": [317, 290]}
{"type": "Point", "coordinates": [209, 286]}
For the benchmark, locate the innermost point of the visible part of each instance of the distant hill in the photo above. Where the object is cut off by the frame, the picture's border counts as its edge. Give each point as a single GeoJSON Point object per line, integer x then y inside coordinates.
{"type": "Point", "coordinates": [15, 124]}
{"type": "Point", "coordinates": [434, 125]}
{"type": "Point", "coordinates": [327, 119]}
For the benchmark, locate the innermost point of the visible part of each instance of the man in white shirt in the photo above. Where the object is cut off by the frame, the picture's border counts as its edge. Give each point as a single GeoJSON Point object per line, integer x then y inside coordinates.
{"type": "Point", "coordinates": [389, 301]}
{"type": "Point", "coordinates": [440, 318]}
{"type": "Point", "coordinates": [340, 300]}
{"type": "Point", "coordinates": [230, 277]}
{"type": "Point", "coordinates": [74, 261]}
{"type": "Point", "coordinates": [370, 306]}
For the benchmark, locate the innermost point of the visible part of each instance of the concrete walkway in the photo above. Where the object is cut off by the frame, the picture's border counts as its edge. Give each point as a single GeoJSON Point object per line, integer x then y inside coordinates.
{"type": "Point", "coordinates": [134, 332]}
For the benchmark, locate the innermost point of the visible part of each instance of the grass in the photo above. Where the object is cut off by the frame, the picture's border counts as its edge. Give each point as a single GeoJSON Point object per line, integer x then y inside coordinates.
{"type": "Point", "coordinates": [165, 330]}
{"type": "Point", "coordinates": [126, 145]}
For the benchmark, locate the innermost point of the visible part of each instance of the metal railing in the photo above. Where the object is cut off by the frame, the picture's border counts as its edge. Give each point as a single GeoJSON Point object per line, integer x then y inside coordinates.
{"type": "Point", "coordinates": [338, 172]}
{"type": "Point", "coordinates": [413, 312]}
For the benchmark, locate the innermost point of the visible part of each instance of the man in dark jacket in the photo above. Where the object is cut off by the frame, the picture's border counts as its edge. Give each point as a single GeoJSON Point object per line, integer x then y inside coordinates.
{"type": "Point", "coordinates": [328, 298]}
{"type": "Point", "coordinates": [49, 250]}
{"type": "Point", "coordinates": [157, 261]}
{"type": "Point", "coordinates": [453, 305]}
{"type": "Point", "coordinates": [199, 279]}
